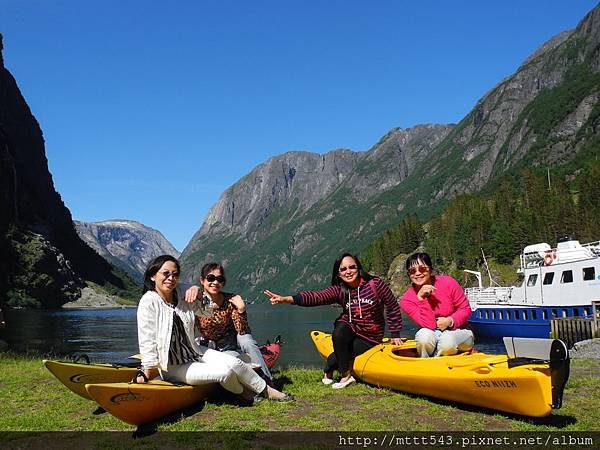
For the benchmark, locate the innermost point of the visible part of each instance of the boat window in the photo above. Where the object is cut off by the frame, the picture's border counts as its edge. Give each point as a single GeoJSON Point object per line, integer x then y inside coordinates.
{"type": "Point", "coordinates": [544, 314]}
{"type": "Point", "coordinates": [534, 315]}
{"type": "Point", "coordinates": [567, 276]}
{"type": "Point", "coordinates": [589, 273]}
{"type": "Point", "coordinates": [554, 313]}
{"type": "Point", "coordinates": [509, 315]}
{"type": "Point", "coordinates": [525, 315]}
{"type": "Point", "coordinates": [493, 313]}
{"type": "Point", "coordinates": [564, 313]}
{"type": "Point", "coordinates": [517, 315]}
{"type": "Point", "coordinates": [532, 280]}
{"type": "Point", "coordinates": [549, 278]}
{"type": "Point", "coordinates": [575, 312]}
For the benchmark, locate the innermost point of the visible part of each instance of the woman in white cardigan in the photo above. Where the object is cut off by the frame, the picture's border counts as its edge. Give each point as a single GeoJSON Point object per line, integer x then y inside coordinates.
{"type": "Point", "coordinates": [167, 341]}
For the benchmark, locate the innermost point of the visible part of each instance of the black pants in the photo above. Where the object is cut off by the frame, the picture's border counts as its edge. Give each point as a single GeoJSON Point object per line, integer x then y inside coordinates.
{"type": "Point", "coordinates": [346, 346]}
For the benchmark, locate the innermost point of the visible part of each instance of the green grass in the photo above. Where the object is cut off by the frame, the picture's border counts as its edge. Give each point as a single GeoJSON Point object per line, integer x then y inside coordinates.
{"type": "Point", "coordinates": [33, 400]}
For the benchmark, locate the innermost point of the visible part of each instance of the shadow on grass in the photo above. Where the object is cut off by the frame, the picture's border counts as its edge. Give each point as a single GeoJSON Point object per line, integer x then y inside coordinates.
{"type": "Point", "coordinates": [219, 396]}
{"type": "Point", "coordinates": [553, 420]}
{"type": "Point", "coordinates": [281, 382]}
{"type": "Point", "coordinates": [149, 429]}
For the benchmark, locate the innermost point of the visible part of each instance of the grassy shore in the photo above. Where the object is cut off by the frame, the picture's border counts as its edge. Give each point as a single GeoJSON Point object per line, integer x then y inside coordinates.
{"type": "Point", "coordinates": [33, 400]}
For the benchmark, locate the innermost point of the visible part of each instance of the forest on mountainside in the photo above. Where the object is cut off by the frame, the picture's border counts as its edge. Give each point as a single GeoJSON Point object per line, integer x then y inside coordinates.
{"type": "Point", "coordinates": [534, 207]}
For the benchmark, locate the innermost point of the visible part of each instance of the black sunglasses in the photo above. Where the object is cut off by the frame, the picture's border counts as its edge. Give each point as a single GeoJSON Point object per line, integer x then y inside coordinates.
{"type": "Point", "coordinates": [220, 278]}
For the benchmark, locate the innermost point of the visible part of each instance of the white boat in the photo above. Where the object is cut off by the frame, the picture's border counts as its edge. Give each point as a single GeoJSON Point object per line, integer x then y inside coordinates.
{"type": "Point", "coordinates": [557, 282]}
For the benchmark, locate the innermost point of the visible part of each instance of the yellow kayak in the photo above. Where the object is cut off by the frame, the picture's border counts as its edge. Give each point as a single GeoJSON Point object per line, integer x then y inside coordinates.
{"type": "Point", "coordinates": [76, 375]}
{"type": "Point", "coordinates": [519, 385]}
{"type": "Point", "coordinates": [138, 404]}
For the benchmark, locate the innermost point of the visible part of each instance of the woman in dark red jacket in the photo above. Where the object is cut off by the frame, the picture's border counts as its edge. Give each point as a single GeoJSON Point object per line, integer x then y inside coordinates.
{"type": "Point", "coordinates": [361, 324]}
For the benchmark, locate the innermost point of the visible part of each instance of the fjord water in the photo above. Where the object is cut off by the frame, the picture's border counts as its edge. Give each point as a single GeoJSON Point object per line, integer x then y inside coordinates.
{"type": "Point", "coordinates": [110, 334]}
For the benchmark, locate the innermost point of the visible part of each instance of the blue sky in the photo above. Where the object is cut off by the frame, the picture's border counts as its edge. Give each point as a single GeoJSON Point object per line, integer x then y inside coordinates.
{"type": "Point", "coordinates": [151, 110]}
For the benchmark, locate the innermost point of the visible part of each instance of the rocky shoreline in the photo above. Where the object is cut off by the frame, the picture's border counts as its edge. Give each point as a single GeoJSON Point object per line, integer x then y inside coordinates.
{"type": "Point", "coordinates": [586, 349]}
{"type": "Point", "coordinates": [92, 299]}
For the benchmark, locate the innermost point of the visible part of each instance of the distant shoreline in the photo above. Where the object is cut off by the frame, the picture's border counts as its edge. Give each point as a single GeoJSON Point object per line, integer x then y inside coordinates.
{"type": "Point", "coordinates": [72, 306]}
{"type": "Point", "coordinates": [91, 299]}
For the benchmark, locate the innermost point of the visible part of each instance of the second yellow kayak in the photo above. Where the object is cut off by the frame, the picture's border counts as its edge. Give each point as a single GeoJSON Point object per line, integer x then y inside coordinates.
{"type": "Point", "coordinates": [489, 381]}
{"type": "Point", "coordinates": [138, 404]}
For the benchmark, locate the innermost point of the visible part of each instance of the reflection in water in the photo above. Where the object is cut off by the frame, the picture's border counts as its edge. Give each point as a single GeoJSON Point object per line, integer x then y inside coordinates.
{"type": "Point", "coordinates": [102, 334]}
{"type": "Point", "coordinates": [110, 334]}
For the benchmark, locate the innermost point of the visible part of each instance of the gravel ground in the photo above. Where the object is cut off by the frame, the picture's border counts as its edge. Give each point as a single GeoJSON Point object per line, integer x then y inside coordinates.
{"type": "Point", "coordinates": [586, 349]}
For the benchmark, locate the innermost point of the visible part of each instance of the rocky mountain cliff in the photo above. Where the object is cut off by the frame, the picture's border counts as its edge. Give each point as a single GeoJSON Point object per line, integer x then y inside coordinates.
{"type": "Point", "coordinates": [285, 209]}
{"type": "Point", "coordinates": [543, 115]}
{"type": "Point", "coordinates": [125, 243]}
{"type": "Point", "coordinates": [282, 225]}
{"type": "Point", "coordinates": [43, 262]}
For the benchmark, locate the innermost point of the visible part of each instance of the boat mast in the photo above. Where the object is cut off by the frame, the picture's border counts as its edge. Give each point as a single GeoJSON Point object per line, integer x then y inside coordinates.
{"type": "Point", "coordinates": [487, 268]}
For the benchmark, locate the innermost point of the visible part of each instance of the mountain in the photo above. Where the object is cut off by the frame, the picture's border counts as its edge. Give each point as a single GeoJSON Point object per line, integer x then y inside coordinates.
{"type": "Point", "coordinates": [281, 221]}
{"type": "Point", "coordinates": [282, 225]}
{"type": "Point", "coordinates": [43, 262]}
{"type": "Point", "coordinates": [126, 244]}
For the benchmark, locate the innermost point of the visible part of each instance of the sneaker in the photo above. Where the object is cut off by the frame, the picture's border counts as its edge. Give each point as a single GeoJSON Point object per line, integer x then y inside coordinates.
{"type": "Point", "coordinates": [343, 384]}
{"type": "Point", "coordinates": [327, 381]}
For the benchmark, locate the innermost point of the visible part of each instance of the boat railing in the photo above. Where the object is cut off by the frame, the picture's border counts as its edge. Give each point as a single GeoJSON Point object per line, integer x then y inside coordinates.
{"type": "Point", "coordinates": [489, 294]}
{"type": "Point", "coordinates": [560, 254]}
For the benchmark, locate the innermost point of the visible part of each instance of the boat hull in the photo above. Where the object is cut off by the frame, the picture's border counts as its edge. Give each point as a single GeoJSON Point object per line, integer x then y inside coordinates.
{"type": "Point", "coordinates": [532, 322]}
{"type": "Point", "coordinates": [75, 376]}
{"type": "Point", "coordinates": [139, 404]}
{"type": "Point", "coordinates": [475, 379]}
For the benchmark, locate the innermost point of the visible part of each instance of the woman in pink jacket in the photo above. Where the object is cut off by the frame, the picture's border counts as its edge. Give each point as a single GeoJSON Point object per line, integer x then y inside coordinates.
{"type": "Point", "coordinates": [439, 306]}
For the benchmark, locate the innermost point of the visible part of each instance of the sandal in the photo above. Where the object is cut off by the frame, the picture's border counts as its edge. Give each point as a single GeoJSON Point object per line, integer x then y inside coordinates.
{"type": "Point", "coordinates": [286, 398]}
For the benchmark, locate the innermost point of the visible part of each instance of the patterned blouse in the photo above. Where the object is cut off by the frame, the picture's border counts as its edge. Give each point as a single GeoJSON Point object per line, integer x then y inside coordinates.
{"type": "Point", "coordinates": [222, 323]}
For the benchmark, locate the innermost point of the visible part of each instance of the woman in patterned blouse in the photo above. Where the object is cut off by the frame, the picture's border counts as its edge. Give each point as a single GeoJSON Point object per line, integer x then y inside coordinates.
{"type": "Point", "coordinates": [225, 322]}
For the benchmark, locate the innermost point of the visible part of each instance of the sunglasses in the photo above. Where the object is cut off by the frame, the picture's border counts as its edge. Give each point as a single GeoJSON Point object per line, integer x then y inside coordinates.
{"type": "Point", "coordinates": [421, 269]}
{"type": "Point", "coordinates": [167, 274]}
{"type": "Point", "coordinates": [219, 278]}
{"type": "Point", "coordinates": [350, 267]}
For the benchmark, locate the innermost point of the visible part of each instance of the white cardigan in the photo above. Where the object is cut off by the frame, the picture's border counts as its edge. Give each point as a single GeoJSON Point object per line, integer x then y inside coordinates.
{"type": "Point", "coordinates": [155, 325]}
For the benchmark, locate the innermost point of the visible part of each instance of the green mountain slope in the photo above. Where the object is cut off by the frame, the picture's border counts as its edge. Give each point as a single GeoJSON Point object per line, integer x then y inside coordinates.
{"type": "Point", "coordinates": [279, 230]}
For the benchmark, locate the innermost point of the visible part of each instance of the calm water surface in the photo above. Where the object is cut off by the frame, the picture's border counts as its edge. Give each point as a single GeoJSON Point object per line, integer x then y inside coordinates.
{"type": "Point", "coordinates": [110, 334]}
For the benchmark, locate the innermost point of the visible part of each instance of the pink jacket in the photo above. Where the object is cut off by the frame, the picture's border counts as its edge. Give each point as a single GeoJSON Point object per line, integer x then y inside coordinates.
{"type": "Point", "coordinates": [448, 300]}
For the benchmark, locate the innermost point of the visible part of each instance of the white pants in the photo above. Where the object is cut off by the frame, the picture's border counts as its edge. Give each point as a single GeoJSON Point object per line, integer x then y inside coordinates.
{"type": "Point", "coordinates": [229, 371]}
{"type": "Point", "coordinates": [447, 342]}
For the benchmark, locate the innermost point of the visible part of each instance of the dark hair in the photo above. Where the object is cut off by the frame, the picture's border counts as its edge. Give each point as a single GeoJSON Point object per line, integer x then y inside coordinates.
{"type": "Point", "coordinates": [153, 267]}
{"type": "Point", "coordinates": [414, 259]}
{"type": "Point", "coordinates": [209, 267]}
{"type": "Point", "coordinates": [335, 278]}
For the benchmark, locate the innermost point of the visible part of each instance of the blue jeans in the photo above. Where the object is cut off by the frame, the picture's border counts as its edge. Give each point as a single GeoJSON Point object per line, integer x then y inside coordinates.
{"type": "Point", "coordinates": [247, 344]}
